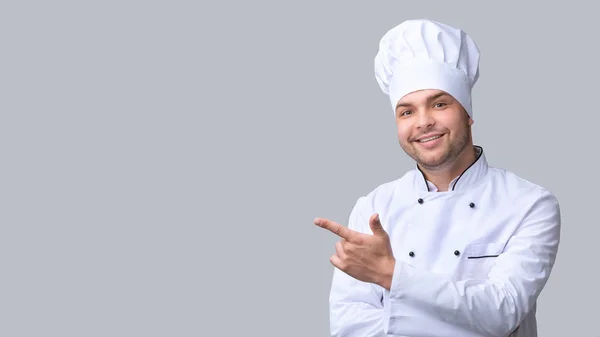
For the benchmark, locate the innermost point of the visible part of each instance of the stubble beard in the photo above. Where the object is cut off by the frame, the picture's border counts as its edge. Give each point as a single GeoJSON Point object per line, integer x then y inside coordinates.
{"type": "Point", "coordinates": [448, 157]}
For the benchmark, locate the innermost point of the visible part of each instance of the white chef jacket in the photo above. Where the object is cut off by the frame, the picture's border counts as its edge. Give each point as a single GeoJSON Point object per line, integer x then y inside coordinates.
{"type": "Point", "coordinates": [470, 262]}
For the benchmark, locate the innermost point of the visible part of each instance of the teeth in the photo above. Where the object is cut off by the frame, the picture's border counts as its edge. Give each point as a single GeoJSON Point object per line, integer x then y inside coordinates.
{"type": "Point", "coordinates": [428, 139]}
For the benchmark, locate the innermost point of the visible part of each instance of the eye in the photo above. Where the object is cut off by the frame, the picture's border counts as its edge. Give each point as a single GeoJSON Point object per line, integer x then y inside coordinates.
{"type": "Point", "coordinates": [405, 113]}
{"type": "Point", "coordinates": [440, 104]}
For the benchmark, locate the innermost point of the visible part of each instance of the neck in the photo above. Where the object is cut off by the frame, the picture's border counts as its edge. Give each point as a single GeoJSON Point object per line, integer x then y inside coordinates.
{"type": "Point", "coordinates": [441, 177]}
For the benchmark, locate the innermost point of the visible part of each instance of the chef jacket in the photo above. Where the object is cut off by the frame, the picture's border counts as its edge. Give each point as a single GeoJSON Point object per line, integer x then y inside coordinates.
{"type": "Point", "coordinates": [470, 262]}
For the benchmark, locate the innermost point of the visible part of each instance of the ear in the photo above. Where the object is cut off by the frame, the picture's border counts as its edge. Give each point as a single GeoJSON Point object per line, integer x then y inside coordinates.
{"type": "Point", "coordinates": [471, 121]}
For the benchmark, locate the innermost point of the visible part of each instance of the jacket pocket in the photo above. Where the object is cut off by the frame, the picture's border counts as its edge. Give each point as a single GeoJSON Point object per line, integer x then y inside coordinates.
{"type": "Point", "coordinates": [479, 258]}
{"type": "Point", "coordinates": [484, 250]}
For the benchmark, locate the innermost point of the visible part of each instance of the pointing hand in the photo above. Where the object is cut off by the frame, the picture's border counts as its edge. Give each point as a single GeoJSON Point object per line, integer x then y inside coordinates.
{"type": "Point", "coordinates": [368, 258]}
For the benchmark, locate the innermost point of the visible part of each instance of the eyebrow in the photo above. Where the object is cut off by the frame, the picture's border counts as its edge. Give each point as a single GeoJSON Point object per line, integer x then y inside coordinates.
{"type": "Point", "coordinates": [429, 99]}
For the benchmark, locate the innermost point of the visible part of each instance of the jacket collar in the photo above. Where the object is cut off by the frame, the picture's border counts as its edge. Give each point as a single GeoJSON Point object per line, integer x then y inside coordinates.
{"type": "Point", "coordinates": [477, 170]}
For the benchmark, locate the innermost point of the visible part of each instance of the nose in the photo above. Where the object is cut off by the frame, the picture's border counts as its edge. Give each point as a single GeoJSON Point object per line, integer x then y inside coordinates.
{"type": "Point", "coordinates": [425, 120]}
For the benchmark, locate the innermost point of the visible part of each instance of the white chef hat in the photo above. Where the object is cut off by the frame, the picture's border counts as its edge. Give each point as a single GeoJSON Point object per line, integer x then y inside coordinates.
{"type": "Point", "coordinates": [424, 54]}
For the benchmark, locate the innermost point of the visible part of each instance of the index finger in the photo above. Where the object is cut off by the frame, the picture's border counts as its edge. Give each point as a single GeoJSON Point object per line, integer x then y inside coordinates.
{"type": "Point", "coordinates": [335, 228]}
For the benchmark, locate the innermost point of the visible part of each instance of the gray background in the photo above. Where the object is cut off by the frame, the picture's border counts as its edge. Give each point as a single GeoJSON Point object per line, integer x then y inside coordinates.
{"type": "Point", "coordinates": [162, 162]}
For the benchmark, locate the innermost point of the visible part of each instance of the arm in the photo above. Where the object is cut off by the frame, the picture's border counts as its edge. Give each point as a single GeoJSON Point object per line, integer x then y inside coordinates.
{"type": "Point", "coordinates": [355, 307]}
{"type": "Point", "coordinates": [422, 303]}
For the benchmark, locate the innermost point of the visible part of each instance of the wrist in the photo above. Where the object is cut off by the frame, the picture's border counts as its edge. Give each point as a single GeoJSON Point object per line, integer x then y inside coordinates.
{"type": "Point", "coordinates": [388, 274]}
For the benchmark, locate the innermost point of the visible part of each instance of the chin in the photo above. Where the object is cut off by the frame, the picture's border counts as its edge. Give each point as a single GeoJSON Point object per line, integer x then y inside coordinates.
{"type": "Point", "coordinates": [430, 163]}
{"type": "Point", "coordinates": [431, 160]}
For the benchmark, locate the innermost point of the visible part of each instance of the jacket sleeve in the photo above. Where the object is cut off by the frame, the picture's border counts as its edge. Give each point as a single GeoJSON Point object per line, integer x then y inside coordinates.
{"type": "Point", "coordinates": [355, 307]}
{"type": "Point", "coordinates": [423, 303]}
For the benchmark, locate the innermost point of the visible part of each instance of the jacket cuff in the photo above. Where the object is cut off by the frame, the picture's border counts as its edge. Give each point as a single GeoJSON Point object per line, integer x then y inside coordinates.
{"type": "Point", "coordinates": [400, 278]}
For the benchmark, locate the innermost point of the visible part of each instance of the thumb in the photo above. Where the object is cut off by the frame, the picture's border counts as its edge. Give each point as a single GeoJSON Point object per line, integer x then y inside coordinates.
{"type": "Point", "coordinates": [375, 225]}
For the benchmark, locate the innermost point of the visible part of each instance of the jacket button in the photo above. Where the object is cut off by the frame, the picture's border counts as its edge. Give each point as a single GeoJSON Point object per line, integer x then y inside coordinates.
{"type": "Point", "coordinates": [411, 254]}
{"type": "Point", "coordinates": [456, 252]}
{"type": "Point", "coordinates": [420, 201]}
{"type": "Point", "coordinates": [471, 205]}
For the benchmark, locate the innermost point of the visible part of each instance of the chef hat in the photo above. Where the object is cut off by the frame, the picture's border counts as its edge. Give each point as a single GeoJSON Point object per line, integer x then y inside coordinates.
{"type": "Point", "coordinates": [424, 54]}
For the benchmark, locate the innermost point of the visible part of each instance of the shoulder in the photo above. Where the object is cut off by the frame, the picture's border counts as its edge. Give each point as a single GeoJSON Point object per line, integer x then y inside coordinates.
{"type": "Point", "coordinates": [520, 190]}
{"type": "Point", "coordinates": [515, 183]}
{"type": "Point", "coordinates": [386, 190]}
{"type": "Point", "coordinates": [384, 193]}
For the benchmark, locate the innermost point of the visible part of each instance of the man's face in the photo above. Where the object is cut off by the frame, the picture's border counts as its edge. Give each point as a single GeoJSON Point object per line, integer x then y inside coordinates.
{"type": "Point", "coordinates": [433, 128]}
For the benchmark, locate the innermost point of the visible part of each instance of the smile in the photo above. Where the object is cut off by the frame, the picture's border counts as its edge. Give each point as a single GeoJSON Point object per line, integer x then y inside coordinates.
{"type": "Point", "coordinates": [428, 139]}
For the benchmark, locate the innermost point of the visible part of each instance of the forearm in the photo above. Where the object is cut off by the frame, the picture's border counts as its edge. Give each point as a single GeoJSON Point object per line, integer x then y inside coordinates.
{"type": "Point", "coordinates": [427, 300]}
{"type": "Point", "coordinates": [356, 320]}
{"type": "Point", "coordinates": [356, 308]}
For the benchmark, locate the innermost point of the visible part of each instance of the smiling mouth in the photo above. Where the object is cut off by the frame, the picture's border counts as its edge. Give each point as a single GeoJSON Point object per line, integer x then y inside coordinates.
{"type": "Point", "coordinates": [428, 139]}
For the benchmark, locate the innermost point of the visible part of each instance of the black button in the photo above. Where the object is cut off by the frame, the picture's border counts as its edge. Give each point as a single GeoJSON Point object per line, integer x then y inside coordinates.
{"type": "Point", "coordinates": [420, 201]}
{"type": "Point", "coordinates": [456, 252]}
{"type": "Point", "coordinates": [471, 205]}
{"type": "Point", "coordinates": [411, 254]}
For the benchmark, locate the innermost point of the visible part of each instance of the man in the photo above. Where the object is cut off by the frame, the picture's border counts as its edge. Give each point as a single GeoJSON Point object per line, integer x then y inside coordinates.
{"type": "Point", "coordinates": [455, 247]}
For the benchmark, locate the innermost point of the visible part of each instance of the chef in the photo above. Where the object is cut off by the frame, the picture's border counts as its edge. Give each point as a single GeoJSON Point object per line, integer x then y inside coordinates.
{"type": "Point", "coordinates": [454, 247]}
